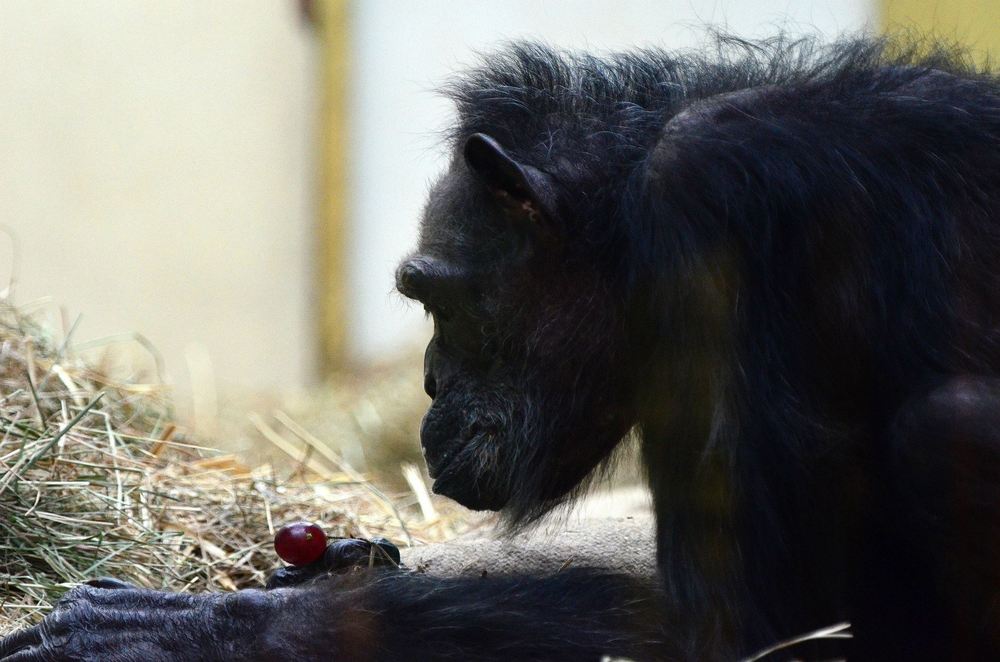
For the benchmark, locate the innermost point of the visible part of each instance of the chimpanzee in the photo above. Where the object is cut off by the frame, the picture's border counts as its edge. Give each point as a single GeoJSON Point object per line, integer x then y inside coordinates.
{"type": "Point", "coordinates": [778, 265]}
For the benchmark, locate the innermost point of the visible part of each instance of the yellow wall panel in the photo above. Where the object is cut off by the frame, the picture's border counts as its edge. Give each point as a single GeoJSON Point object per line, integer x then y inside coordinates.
{"type": "Point", "coordinates": [974, 23]}
{"type": "Point", "coordinates": [334, 23]}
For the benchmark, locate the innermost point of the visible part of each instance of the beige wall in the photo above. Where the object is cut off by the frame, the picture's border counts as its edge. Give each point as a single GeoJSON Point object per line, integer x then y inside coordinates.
{"type": "Point", "coordinates": [156, 165]}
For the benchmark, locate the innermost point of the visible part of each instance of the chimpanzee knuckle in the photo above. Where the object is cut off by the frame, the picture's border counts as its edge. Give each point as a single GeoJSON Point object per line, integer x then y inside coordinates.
{"type": "Point", "coordinates": [158, 600]}
{"type": "Point", "coordinates": [26, 655]}
{"type": "Point", "coordinates": [139, 600]}
{"type": "Point", "coordinates": [77, 645]}
{"type": "Point", "coordinates": [86, 594]}
{"type": "Point", "coordinates": [76, 614]}
{"type": "Point", "coordinates": [53, 645]}
{"type": "Point", "coordinates": [22, 639]}
{"type": "Point", "coordinates": [82, 597]}
{"type": "Point", "coordinates": [71, 597]}
{"type": "Point", "coordinates": [249, 601]}
{"type": "Point", "coordinates": [241, 611]}
{"type": "Point", "coordinates": [86, 645]}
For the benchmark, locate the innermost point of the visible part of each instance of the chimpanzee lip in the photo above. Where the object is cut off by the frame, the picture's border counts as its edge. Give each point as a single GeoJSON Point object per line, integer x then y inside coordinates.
{"type": "Point", "coordinates": [451, 479]}
{"type": "Point", "coordinates": [446, 471]}
{"type": "Point", "coordinates": [438, 467]}
{"type": "Point", "coordinates": [440, 461]}
{"type": "Point", "coordinates": [452, 485]}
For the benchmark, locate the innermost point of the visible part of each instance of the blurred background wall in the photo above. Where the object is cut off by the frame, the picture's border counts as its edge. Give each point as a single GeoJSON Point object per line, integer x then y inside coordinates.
{"type": "Point", "coordinates": [157, 168]}
{"type": "Point", "coordinates": [236, 180]}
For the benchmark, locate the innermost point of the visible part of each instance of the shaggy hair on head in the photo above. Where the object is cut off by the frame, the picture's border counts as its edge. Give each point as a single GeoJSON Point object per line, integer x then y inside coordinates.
{"type": "Point", "coordinates": [542, 103]}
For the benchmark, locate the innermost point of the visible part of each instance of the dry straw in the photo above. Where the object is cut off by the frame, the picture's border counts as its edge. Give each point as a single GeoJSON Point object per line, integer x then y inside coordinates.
{"type": "Point", "coordinates": [96, 479]}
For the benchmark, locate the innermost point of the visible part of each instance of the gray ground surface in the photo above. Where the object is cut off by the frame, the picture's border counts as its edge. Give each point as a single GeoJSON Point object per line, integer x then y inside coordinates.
{"type": "Point", "coordinates": [613, 531]}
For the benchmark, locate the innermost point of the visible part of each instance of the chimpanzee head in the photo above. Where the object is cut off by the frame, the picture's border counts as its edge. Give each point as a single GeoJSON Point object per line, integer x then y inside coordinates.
{"type": "Point", "coordinates": [529, 390]}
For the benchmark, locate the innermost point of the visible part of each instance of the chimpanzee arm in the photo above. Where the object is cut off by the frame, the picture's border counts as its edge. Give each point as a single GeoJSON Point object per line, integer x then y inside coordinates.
{"type": "Point", "coordinates": [945, 463]}
{"type": "Point", "coordinates": [573, 615]}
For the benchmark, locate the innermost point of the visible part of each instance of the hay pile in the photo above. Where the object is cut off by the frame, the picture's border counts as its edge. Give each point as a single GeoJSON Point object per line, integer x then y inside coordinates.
{"type": "Point", "coordinates": [370, 418]}
{"type": "Point", "coordinates": [97, 480]}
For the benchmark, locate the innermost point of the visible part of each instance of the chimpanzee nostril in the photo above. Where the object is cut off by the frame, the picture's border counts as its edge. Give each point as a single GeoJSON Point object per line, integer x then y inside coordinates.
{"type": "Point", "coordinates": [430, 385]}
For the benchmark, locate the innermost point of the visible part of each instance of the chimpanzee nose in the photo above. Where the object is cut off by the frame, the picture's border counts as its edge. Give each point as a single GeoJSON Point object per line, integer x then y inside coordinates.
{"type": "Point", "coordinates": [430, 385]}
{"type": "Point", "coordinates": [408, 279]}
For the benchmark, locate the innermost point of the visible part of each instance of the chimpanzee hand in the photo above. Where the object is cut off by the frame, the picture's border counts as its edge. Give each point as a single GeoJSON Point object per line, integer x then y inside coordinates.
{"type": "Point", "coordinates": [342, 554]}
{"type": "Point", "coordinates": [111, 621]}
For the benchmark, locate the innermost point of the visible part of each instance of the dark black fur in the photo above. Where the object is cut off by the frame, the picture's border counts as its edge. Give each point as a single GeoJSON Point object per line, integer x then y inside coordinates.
{"type": "Point", "coordinates": [778, 264]}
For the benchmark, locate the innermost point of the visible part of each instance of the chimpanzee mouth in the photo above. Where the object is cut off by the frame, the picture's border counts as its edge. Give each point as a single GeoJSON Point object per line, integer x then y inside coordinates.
{"type": "Point", "coordinates": [457, 479]}
{"type": "Point", "coordinates": [440, 448]}
{"type": "Point", "coordinates": [439, 463]}
{"type": "Point", "coordinates": [455, 470]}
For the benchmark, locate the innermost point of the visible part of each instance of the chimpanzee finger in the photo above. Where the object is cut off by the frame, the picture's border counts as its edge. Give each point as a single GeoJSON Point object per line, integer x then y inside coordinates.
{"type": "Point", "coordinates": [296, 574]}
{"type": "Point", "coordinates": [109, 583]}
{"type": "Point", "coordinates": [21, 639]}
{"type": "Point", "coordinates": [32, 655]}
{"type": "Point", "coordinates": [341, 554]}
{"type": "Point", "coordinates": [357, 553]}
{"type": "Point", "coordinates": [347, 553]}
{"type": "Point", "coordinates": [385, 552]}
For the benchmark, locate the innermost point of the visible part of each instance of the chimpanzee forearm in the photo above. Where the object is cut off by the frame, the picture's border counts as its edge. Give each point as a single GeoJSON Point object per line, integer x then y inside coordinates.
{"type": "Point", "coordinates": [572, 615]}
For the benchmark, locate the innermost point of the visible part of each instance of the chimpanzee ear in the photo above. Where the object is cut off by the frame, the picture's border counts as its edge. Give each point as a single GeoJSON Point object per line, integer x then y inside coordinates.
{"type": "Point", "coordinates": [525, 188]}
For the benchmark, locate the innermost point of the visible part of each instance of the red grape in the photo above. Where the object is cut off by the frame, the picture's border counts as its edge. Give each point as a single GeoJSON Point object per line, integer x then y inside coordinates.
{"type": "Point", "coordinates": [300, 543]}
